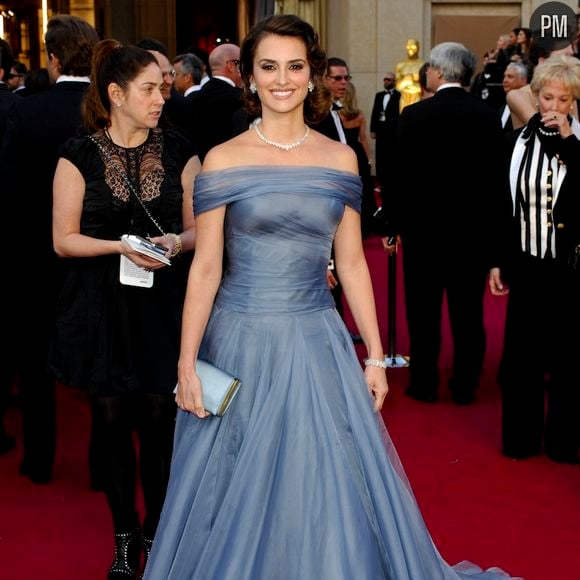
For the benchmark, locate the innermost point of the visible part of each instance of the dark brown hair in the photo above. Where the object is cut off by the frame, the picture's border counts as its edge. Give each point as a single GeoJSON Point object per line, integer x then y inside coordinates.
{"type": "Point", "coordinates": [112, 63]}
{"type": "Point", "coordinates": [317, 102]}
{"type": "Point", "coordinates": [71, 39]}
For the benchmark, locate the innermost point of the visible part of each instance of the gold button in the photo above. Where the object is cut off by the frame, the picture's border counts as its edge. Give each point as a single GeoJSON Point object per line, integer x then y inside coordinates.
{"type": "Point", "coordinates": [549, 198]}
{"type": "Point", "coordinates": [549, 173]}
{"type": "Point", "coordinates": [549, 185]}
{"type": "Point", "coordinates": [549, 224]}
{"type": "Point", "coordinates": [560, 226]}
{"type": "Point", "coordinates": [549, 211]}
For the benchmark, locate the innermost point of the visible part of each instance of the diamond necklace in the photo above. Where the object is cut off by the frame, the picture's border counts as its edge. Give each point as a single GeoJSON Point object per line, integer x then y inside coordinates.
{"type": "Point", "coordinates": [285, 147]}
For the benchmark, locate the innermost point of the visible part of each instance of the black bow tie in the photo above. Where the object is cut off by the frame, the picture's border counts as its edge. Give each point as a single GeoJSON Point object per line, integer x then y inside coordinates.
{"type": "Point", "coordinates": [389, 91]}
{"type": "Point", "coordinates": [336, 107]}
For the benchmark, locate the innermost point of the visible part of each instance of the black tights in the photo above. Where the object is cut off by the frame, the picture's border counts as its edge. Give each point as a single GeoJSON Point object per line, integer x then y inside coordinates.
{"type": "Point", "coordinates": [115, 419]}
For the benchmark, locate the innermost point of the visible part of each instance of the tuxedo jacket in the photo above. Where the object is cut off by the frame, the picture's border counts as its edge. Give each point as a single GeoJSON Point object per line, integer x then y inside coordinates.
{"type": "Point", "coordinates": [36, 127]}
{"type": "Point", "coordinates": [7, 97]}
{"type": "Point", "coordinates": [388, 127]}
{"type": "Point", "coordinates": [327, 127]}
{"type": "Point", "coordinates": [213, 108]}
{"type": "Point", "coordinates": [450, 176]}
{"type": "Point", "coordinates": [177, 114]}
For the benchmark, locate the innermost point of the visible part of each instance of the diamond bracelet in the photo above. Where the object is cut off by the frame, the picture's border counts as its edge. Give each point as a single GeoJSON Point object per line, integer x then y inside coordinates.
{"type": "Point", "coordinates": [375, 362]}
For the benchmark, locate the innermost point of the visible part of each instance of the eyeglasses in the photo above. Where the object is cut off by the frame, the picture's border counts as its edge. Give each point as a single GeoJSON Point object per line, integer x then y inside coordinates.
{"type": "Point", "coordinates": [14, 75]}
{"type": "Point", "coordinates": [339, 78]}
{"type": "Point", "coordinates": [235, 61]}
{"type": "Point", "coordinates": [170, 73]}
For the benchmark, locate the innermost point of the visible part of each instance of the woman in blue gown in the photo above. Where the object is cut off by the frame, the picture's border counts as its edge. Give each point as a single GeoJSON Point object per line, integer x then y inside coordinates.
{"type": "Point", "coordinates": [299, 479]}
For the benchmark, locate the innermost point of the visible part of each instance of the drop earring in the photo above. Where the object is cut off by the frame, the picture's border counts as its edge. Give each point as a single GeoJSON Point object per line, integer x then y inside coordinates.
{"type": "Point", "coordinates": [253, 88]}
{"type": "Point", "coordinates": [310, 86]}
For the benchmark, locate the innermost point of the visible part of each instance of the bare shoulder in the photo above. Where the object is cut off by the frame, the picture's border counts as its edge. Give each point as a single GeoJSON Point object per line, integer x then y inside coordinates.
{"type": "Point", "coordinates": [228, 154]}
{"type": "Point", "coordinates": [330, 153]}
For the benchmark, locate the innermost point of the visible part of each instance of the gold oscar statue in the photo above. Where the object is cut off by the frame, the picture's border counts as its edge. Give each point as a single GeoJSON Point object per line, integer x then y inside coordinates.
{"type": "Point", "coordinates": [407, 75]}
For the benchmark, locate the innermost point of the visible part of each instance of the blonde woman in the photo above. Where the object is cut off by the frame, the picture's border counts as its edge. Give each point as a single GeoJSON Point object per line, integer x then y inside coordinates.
{"type": "Point", "coordinates": [542, 212]}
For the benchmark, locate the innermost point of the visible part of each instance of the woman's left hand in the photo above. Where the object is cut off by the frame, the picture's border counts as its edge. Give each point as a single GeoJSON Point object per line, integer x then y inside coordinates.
{"type": "Point", "coordinates": [376, 378]}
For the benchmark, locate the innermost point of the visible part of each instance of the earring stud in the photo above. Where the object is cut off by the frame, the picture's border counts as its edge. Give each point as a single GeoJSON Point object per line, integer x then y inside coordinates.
{"type": "Point", "coordinates": [310, 86]}
{"type": "Point", "coordinates": [253, 87]}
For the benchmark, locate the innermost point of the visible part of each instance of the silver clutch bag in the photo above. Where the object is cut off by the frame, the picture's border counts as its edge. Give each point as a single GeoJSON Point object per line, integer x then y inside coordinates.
{"type": "Point", "coordinates": [219, 388]}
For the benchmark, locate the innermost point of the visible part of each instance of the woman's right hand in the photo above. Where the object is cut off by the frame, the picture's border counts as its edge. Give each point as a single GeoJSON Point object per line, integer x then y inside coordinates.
{"type": "Point", "coordinates": [496, 285]}
{"type": "Point", "coordinates": [189, 396]}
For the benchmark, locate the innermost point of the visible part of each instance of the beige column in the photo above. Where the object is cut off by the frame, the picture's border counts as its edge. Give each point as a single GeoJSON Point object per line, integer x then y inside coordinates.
{"type": "Point", "coordinates": [156, 19]}
{"type": "Point", "coordinates": [84, 9]}
{"type": "Point", "coordinates": [313, 11]}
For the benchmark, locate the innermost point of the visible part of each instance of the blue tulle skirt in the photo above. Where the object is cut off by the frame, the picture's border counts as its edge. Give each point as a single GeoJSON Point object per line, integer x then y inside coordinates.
{"type": "Point", "coordinates": [299, 479]}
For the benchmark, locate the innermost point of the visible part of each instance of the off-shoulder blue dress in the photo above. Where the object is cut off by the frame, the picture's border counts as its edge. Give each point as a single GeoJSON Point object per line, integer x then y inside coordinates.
{"type": "Point", "coordinates": [299, 479]}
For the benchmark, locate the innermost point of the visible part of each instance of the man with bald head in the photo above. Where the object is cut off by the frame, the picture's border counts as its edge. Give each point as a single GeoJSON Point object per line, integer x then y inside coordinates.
{"type": "Point", "coordinates": [213, 106]}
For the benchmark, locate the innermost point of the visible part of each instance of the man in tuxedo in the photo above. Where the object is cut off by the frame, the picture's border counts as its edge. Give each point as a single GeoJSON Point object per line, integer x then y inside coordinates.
{"type": "Point", "coordinates": [443, 204]}
{"type": "Point", "coordinates": [216, 103]}
{"type": "Point", "coordinates": [336, 80]}
{"type": "Point", "coordinates": [384, 123]}
{"type": "Point", "coordinates": [17, 78]}
{"type": "Point", "coordinates": [36, 127]}
{"type": "Point", "coordinates": [188, 72]}
{"type": "Point", "coordinates": [514, 77]}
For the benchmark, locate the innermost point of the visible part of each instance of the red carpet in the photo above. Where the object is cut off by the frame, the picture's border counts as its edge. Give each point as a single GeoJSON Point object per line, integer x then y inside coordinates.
{"type": "Point", "coordinates": [522, 516]}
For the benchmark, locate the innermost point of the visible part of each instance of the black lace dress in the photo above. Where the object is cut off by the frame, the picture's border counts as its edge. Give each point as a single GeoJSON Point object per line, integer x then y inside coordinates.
{"type": "Point", "coordinates": [111, 338]}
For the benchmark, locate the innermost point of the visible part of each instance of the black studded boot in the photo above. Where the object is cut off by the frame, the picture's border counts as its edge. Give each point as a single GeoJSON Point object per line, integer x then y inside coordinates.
{"type": "Point", "coordinates": [146, 543]}
{"type": "Point", "coordinates": [127, 556]}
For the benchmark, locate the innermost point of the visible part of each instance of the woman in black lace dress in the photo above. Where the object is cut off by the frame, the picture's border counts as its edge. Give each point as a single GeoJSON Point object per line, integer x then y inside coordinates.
{"type": "Point", "coordinates": [120, 342]}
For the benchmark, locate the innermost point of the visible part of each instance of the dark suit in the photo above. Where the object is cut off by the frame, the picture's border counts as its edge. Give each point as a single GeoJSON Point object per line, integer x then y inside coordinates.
{"type": "Point", "coordinates": [7, 97]}
{"type": "Point", "coordinates": [35, 129]}
{"type": "Point", "coordinates": [327, 127]}
{"type": "Point", "coordinates": [177, 114]}
{"type": "Point", "coordinates": [442, 203]}
{"type": "Point", "coordinates": [213, 108]}
{"type": "Point", "coordinates": [384, 125]}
